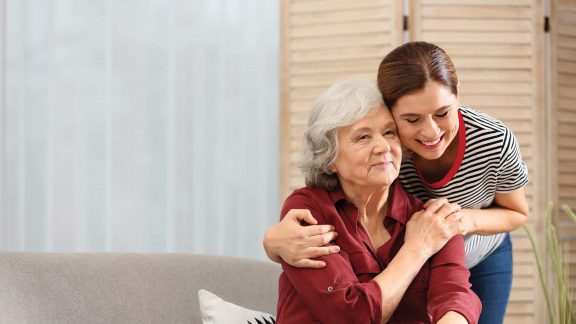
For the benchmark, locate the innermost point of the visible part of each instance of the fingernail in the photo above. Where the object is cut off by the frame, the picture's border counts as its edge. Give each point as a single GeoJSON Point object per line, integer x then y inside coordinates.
{"type": "Point", "coordinates": [335, 248]}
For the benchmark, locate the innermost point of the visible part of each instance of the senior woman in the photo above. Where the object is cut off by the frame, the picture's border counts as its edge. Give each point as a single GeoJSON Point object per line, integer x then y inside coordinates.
{"type": "Point", "coordinates": [398, 263]}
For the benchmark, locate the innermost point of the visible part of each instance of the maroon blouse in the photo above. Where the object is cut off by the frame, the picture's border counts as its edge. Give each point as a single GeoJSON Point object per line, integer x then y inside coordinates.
{"type": "Point", "coordinates": [344, 292]}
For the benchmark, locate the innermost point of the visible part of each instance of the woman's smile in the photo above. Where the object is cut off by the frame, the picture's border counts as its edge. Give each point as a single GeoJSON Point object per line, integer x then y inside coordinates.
{"type": "Point", "coordinates": [383, 164]}
{"type": "Point", "coordinates": [432, 144]}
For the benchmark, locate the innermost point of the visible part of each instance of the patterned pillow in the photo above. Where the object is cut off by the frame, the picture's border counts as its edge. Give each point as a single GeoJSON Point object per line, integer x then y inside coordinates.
{"type": "Point", "coordinates": [215, 310]}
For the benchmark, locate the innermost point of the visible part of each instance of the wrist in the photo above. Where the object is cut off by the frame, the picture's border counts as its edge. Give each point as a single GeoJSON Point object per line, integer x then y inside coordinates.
{"type": "Point", "coordinates": [473, 223]}
{"type": "Point", "coordinates": [420, 253]}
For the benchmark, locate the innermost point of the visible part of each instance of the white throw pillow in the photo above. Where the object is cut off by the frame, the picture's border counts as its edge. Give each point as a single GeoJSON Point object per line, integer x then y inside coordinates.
{"type": "Point", "coordinates": [216, 310]}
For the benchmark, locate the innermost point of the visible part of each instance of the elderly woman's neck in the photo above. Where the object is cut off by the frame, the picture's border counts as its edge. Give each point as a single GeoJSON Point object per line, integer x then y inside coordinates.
{"type": "Point", "coordinates": [370, 203]}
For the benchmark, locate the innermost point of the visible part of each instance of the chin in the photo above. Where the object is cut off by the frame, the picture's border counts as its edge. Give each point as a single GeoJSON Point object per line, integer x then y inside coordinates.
{"type": "Point", "coordinates": [429, 155]}
{"type": "Point", "coordinates": [386, 183]}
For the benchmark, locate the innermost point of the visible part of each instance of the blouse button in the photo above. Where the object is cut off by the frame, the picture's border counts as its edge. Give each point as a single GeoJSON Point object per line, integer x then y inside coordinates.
{"type": "Point", "coordinates": [330, 289]}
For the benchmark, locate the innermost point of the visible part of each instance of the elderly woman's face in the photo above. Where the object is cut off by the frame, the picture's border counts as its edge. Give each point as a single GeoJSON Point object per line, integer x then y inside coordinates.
{"type": "Point", "coordinates": [369, 152]}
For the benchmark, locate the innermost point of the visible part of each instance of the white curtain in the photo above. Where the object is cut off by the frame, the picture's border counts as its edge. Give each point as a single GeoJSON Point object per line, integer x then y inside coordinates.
{"type": "Point", "coordinates": [138, 125]}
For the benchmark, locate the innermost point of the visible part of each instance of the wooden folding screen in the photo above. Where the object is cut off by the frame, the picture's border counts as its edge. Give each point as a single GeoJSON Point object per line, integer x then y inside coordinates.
{"type": "Point", "coordinates": [563, 119]}
{"type": "Point", "coordinates": [564, 32]}
{"type": "Point", "coordinates": [324, 41]}
{"type": "Point", "coordinates": [564, 94]}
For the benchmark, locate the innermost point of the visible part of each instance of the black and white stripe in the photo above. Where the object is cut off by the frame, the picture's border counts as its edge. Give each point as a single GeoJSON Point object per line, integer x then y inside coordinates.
{"type": "Point", "coordinates": [492, 164]}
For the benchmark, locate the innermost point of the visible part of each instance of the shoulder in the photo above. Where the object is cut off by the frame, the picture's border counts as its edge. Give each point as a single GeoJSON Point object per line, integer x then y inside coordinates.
{"type": "Point", "coordinates": [306, 195]}
{"type": "Point", "coordinates": [311, 193]}
{"type": "Point", "coordinates": [311, 198]}
{"type": "Point", "coordinates": [479, 124]}
{"type": "Point", "coordinates": [404, 202]}
{"type": "Point", "coordinates": [414, 204]}
{"type": "Point", "coordinates": [478, 118]}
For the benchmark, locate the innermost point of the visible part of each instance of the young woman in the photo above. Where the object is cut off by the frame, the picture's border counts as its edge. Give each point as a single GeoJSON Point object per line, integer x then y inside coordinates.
{"type": "Point", "coordinates": [454, 152]}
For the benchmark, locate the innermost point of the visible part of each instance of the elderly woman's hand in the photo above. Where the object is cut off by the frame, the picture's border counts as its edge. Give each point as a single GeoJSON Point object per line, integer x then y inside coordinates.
{"type": "Point", "coordinates": [297, 244]}
{"type": "Point", "coordinates": [429, 229]}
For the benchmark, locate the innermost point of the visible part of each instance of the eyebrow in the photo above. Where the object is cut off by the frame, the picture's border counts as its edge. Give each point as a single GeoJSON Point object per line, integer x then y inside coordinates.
{"type": "Point", "coordinates": [390, 124]}
{"type": "Point", "coordinates": [436, 111]}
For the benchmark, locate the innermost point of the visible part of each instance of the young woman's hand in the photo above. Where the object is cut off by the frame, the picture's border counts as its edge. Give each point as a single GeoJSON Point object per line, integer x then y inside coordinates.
{"type": "Point", "coordinates": [296, 244]}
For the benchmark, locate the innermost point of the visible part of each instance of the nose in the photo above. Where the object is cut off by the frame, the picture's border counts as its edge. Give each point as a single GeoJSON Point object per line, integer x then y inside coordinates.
{"type": "Point", "coordinates": [430, 129]}
{"type": "Point", "coordinates": [382, 145]}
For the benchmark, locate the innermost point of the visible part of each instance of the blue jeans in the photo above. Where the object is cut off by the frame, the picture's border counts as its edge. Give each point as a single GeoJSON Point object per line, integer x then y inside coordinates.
{"type": "Point", "coordinates": [491, 280]}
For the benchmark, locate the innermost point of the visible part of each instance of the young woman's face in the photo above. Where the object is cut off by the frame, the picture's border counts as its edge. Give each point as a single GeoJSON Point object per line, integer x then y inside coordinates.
{"type": "Point", "coordinates": [427, 120]}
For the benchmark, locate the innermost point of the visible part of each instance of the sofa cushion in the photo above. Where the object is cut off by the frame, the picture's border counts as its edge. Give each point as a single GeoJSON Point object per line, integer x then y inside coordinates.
{"type": "Point", "coordinates": [215, 310]}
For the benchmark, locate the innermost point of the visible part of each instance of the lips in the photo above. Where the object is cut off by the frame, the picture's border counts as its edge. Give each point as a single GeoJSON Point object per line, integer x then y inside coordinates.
{"type": "Point", "coordinates": [431, 144]}
{"type": "Point", "coordinates": [382, 164]}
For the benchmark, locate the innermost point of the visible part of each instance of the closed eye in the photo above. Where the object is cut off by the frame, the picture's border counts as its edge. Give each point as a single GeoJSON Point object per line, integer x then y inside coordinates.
{"type": "Point", "coordinates": [390, 133]}
{"type": "Point", "coordinates": [443, 115]}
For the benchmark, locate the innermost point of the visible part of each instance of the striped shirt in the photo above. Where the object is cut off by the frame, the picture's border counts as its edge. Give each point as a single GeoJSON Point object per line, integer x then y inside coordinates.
{"type": "Point", "coordinates": [488, 162]}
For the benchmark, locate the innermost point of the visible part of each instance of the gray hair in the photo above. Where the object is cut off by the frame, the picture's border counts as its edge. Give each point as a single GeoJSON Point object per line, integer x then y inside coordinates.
{"type": "Point", "coordinates": [343, 104]}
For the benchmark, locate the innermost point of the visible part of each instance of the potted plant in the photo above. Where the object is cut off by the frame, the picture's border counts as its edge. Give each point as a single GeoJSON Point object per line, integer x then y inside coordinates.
{"type": "Point", "coordinates": [557, 290]}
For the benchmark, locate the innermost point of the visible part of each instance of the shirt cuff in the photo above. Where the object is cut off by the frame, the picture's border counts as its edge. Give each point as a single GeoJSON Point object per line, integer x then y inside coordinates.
{"type": "Point", "coordinates": [374, 294]}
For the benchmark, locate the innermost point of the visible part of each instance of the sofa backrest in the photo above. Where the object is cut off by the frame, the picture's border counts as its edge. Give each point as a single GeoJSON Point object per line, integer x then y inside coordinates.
{"type": "Point", "coordinates": [127, 287]}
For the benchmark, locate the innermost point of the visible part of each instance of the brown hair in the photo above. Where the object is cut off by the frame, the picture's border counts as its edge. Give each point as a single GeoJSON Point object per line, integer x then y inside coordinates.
{"type": "Point", "coordinates": [409, 67]}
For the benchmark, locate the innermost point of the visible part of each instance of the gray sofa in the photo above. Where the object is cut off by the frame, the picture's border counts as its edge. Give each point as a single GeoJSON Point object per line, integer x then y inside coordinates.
{"type": "Point", "coordinates": [127, 287]}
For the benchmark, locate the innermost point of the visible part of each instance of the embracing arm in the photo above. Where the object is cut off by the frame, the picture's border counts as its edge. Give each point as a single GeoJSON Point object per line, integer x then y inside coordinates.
{"type": "Point", "coordinates": [510, 208]}
{"type": "Point", "coordinates": [296, 244]}
{"type": "Point", "coordinates": [508, 212]}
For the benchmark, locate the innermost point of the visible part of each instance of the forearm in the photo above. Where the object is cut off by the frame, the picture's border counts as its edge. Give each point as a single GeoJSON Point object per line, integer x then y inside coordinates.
{"type": "Point", "coordinates": [396, 278]}
{"type": "Point", "coordinates": [452, 318]}
{"type": "Point", "coordinates": [494, 220]}
{"type": "Point", "coordinates": [270, 250]}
